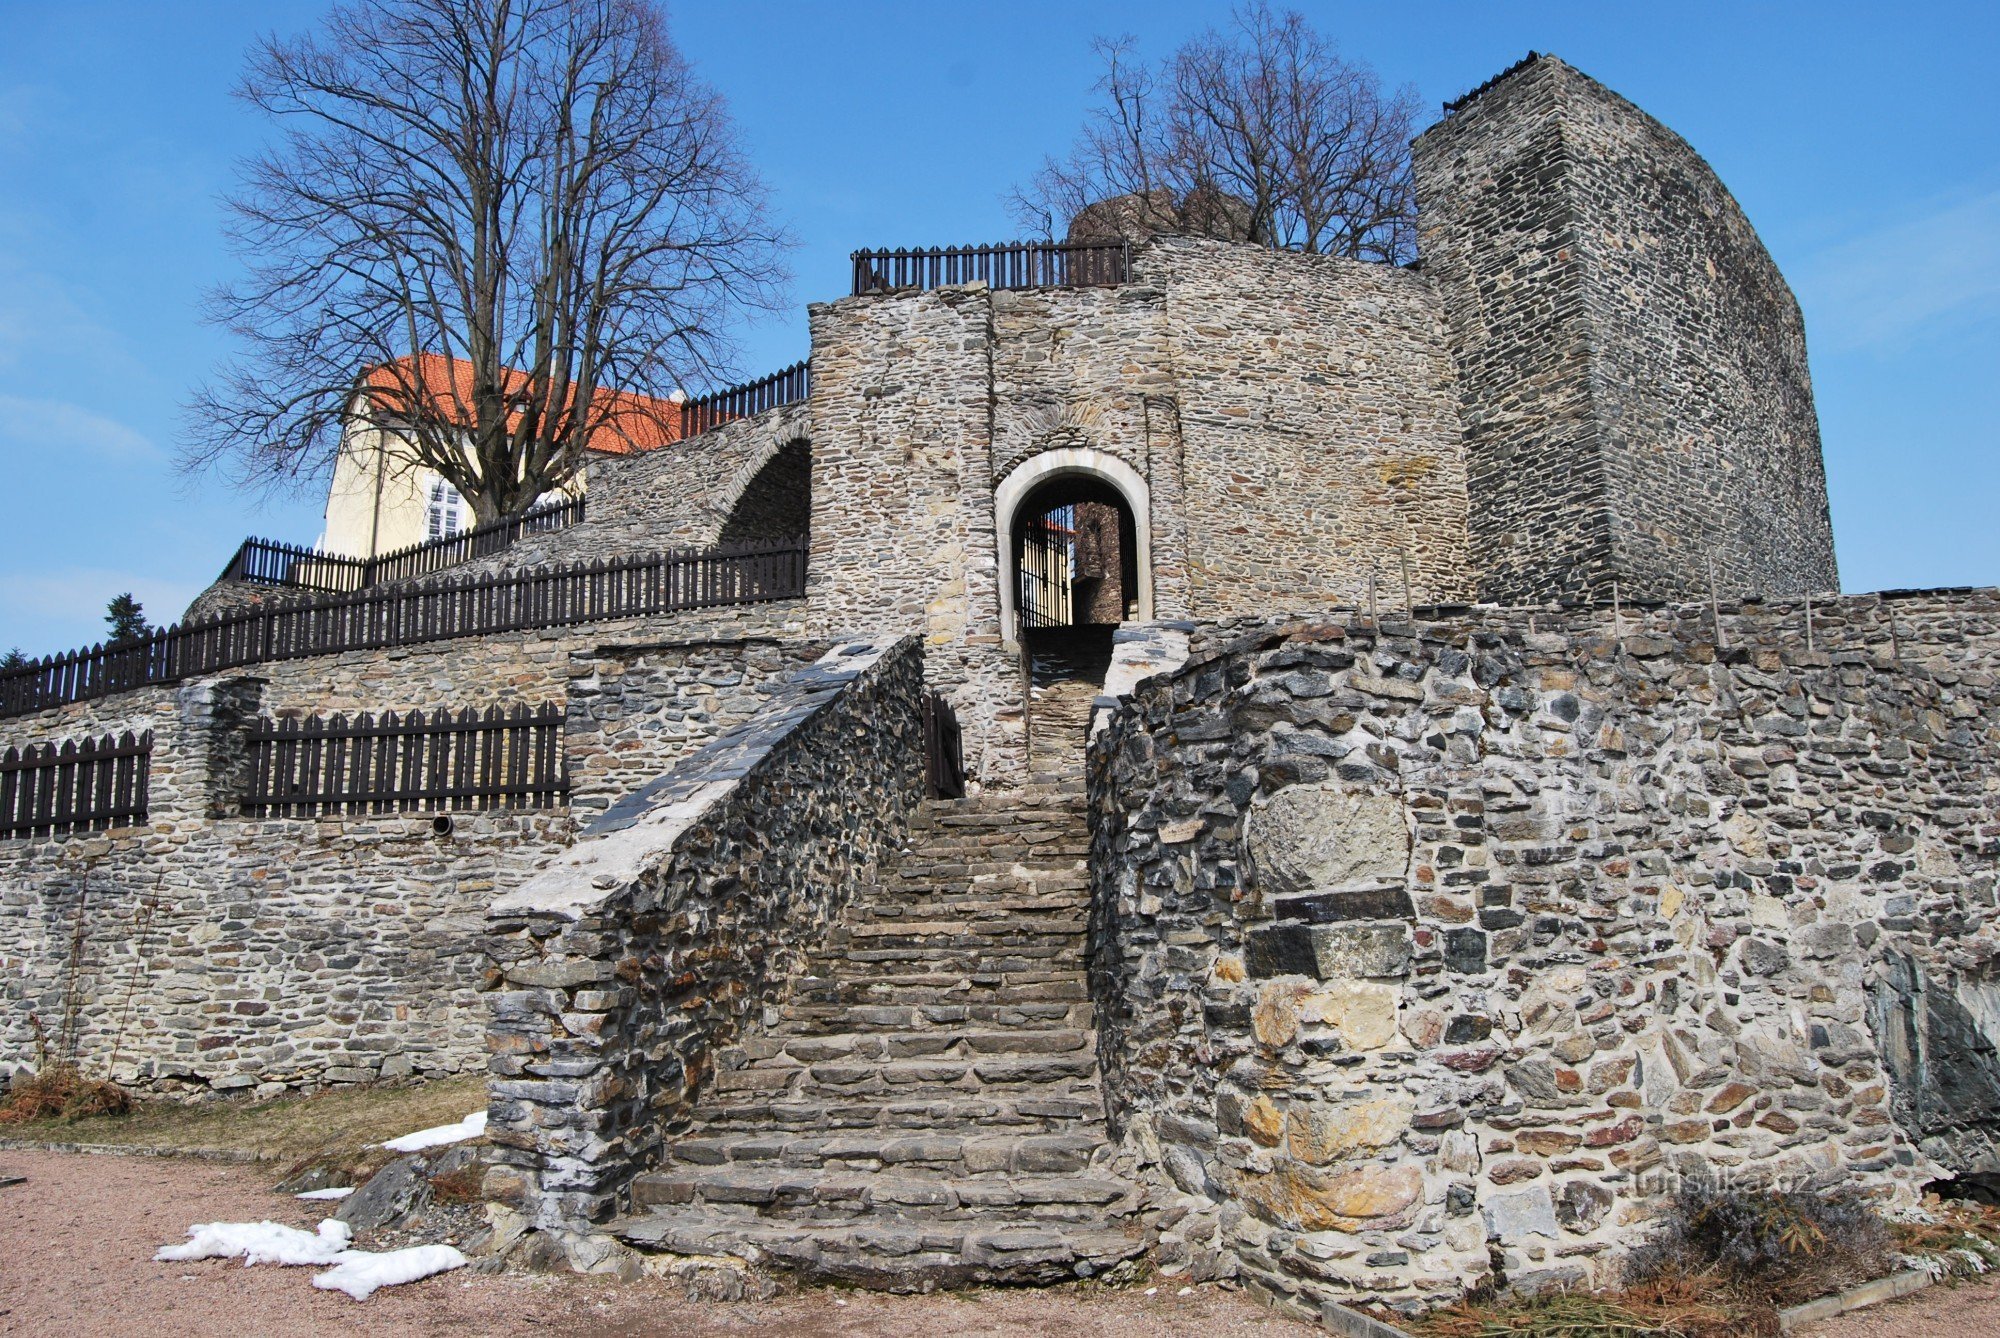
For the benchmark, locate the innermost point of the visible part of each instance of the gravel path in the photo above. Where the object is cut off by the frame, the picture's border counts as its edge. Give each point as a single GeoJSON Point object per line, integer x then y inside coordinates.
{"type": "Point", "coordinates": [1969, 1310]}
{"type": "Point", "coordinates": [76, 1258]}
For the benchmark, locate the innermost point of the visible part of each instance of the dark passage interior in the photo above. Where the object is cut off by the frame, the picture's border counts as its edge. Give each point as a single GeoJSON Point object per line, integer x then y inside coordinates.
{"type": "Point", "coordinates": [777, 502]}
{"type": "Point", "coordinates": [1076, 574]}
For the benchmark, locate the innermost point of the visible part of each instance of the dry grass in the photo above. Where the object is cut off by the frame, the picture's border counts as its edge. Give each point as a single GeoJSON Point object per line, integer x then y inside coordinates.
{"type": "Point", "coordinates": [1661, 1308]}
{"type": "Point", "coordinates": [60, 1093]}
{"type": "Point", "coordinates": [1958, 1240]}
{"type": "Point", "coordinates": [287, 1129]}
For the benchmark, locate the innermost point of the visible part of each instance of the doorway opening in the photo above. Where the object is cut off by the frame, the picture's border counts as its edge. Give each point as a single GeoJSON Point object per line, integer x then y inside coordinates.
{"type": "Point", "coordinates": [1076, 576]}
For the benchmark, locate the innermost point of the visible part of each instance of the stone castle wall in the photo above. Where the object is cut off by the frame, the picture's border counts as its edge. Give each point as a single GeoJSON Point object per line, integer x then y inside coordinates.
{"type": "Point", "coordinates": [636, 710]}
{"type": "Point", "coordinates": [1290, 417]}
{"type": "Point", "coordinates": [221, 952]}
{"type": "Point", "coordinates": [243, 955]}
{"type": "Point", "coordinates": [1631, 365]}
{"type": "Point", "coordinates": [1441, 949]}
{"type": "Point", "coordinates": [1319, 430]}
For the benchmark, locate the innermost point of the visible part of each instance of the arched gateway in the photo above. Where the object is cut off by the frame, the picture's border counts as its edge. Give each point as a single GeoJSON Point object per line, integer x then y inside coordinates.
{"type": "Point", "coordinates": [1074, 531]}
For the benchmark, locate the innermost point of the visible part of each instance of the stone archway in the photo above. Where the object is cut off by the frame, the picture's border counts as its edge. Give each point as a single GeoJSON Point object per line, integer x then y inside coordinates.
{"type": "Point", "coordinates": [1032, 478]}
{"type": "Point", "coordinates": [772, 496]}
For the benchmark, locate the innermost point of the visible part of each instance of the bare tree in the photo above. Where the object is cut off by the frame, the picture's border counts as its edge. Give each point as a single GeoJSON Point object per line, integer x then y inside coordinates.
{"type": "Point", "coordinates": [481, 219]}
{"type": "Point", "coordinates": [1265, 133]}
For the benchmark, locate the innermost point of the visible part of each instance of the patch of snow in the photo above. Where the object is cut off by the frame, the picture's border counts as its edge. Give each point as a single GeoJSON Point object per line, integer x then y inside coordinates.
{"type": "Point", "coordinates": [472, 1126]}
{"type": "Point", "coordinates": [359, 1272]}
{"type": "Point", "coordinates": [261, 1243]}
{"type": "Point", "coordinates": [324, 1194]}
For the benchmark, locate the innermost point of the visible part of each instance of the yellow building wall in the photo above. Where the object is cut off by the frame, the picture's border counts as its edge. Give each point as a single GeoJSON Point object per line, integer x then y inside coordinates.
{"type": "Point", "coordinates": [379, 498]}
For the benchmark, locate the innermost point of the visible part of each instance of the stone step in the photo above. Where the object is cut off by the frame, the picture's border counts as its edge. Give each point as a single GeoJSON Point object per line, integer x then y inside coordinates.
{"type": "Point", "coordinates": [962, 1042]}
{"type": "Point", "coordinates": [1027, 1111]}
{"type": "Point", "coordinates": [903, 1252]}
{"type": "Point", "coordinates": [954, 1155]}
{"type": "Point", "coordinates": [1058, 930]}
{"type": "Point", "coordinates": [778, 1191]}
{"type": "Point", "coordinates": [919, 1001]}
{"type": "Point", "coordinates": [916, 1078]}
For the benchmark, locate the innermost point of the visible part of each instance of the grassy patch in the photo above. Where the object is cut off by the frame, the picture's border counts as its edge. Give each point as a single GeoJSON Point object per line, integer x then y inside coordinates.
{"type": "Point", "coordinates": [333, 1123]}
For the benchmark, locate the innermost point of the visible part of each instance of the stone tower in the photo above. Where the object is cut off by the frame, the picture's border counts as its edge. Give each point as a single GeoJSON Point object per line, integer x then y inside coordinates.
{"type": "Point", "coordinates": [1632, 366]}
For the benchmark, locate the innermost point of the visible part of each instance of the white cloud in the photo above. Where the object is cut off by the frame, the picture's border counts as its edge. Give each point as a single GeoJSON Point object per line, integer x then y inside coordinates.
{"type": "Point", "coordinates": [64, 428]}
{"type": "Point", "coordinates": [1881, 288]}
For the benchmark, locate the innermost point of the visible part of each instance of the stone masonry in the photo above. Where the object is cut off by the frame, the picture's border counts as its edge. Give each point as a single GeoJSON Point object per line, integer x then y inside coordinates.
{"type": "Point", "coordinates": [1430, 952]}
{"type": "Point", "coordinates": [1632, 366]}
{"type": "Point", "coordinates": [629, 964]}
{"type": "Point", "coordinates": [1394, 945]}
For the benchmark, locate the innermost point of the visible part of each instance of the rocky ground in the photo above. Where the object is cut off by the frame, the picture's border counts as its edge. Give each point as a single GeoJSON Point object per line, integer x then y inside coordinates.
{"type": "Point", "coordinates": [77, 1241]}
{"type": "Point", "coordinates": [77, 1238]}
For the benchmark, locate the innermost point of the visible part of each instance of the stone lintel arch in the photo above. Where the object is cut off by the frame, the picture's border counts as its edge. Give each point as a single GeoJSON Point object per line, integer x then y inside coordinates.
{"type": "Point", "coordinates": [1072, 462]}
{"type": "Point", "coordinates": [770, 495]}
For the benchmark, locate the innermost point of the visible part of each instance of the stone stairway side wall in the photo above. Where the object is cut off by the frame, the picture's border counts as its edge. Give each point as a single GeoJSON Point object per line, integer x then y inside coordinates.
{"type": "Point", "coordinates": [1438, 951]}
{"type": "Point", "coordinates": [676, 918]}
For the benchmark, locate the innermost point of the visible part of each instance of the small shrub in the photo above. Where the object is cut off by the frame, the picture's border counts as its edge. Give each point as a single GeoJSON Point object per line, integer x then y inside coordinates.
{"type": "Point", "coordinates": [61, 1091]}
{"type": "Point", "coordinates": [1950, 1238]}
{"type": "Point", "coordinates": [1769, 1248]}
{"type": "Point", "coordinates": [1652, 1312]}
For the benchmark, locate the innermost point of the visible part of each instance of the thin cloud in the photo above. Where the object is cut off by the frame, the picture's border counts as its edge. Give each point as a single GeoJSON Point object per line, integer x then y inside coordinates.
{"type": "Point", "coordinates": [59, 425]}
{"type": "Point", "coordinates": [1878, 290]}
{"type": "Point", "coordinates": [46, 612]}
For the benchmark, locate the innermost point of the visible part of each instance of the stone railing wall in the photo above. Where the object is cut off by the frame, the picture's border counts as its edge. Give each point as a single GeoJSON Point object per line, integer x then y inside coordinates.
{"type": "Point", "coordinates": [1436, 951]}
{"type": "Point", "coordinates": [635, 710]}
{"type": "Point", "coordinates": [677, 917]}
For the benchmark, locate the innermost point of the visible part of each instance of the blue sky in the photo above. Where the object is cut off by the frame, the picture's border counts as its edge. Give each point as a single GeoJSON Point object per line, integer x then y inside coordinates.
{"type": "Point", "coordinates": [1862, 140]}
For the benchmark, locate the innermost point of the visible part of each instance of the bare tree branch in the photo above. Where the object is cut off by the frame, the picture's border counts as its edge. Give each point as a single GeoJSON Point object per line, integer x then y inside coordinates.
{"type": "Point", "coordinates": [481, 220]}
{"type": "Point", "coordinates": [1264, 133]}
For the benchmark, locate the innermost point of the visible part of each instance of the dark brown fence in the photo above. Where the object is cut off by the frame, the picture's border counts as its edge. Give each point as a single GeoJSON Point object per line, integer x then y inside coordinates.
{"type": "Point", "coordinates": [555, 596]}
{"type": "Point", "coordinates": [510, 758]}
{"type": "Point", "coordinates": [1005, 265]}
{"type": "Point", "coordinates": [46, 789]}
{"type": "Point", "coordinates": [789, 386]}
{"type": "Point", "coordinates": [265, 562]}
{"type": "Point", "coordinates": [944, 750]}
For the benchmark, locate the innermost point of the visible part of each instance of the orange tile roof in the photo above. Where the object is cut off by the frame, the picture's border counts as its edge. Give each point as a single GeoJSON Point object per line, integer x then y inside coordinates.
{"type": "Point", "coordinates": [628, 422]}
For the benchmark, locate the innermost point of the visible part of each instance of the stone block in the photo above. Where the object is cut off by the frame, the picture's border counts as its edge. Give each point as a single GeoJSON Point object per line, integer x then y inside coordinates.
{"type": "Point", "coordinates": [1322, 1132]}
{"type": "Point", "coordinates": [1329, 952]}
{"type": "Point", "coordinates": [1388, 903]}
{"type": "Point", "coordinates": [1326, 836]}
{"type": "Point", "coordinates": [1513, 1217]}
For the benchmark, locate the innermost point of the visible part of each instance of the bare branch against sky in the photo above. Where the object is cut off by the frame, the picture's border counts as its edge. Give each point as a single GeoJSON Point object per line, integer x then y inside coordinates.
{"type": "Point", "coordinates": [1263, 132]}
{"type": "Point", "coordinates": [541, 190]}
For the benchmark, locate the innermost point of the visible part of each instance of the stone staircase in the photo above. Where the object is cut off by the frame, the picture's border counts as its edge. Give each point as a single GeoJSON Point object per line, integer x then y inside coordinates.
{"type": "Point", "coordinates": [924, 1111]}
{"type": "Point", "coordinates": [1066, 669]}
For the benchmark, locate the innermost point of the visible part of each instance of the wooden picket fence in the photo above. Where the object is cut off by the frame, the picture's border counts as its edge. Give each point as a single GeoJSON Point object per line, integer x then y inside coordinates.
{"type": "Point", "coordinates": [47, 789]}
{"type": "Point", "coordinates": [502, 758]}
{"type": "Point", "coordinates": [268, 562]}
{"type": "Point", "coordinates": [556, 596]}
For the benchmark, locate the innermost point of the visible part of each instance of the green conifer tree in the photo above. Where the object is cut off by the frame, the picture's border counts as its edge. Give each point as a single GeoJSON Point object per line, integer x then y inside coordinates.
{"type": "Point", "coordinates": [126, 617]}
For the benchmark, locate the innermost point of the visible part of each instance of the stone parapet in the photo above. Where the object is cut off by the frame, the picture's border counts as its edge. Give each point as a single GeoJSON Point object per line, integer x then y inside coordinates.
{"type": "Point", "coordinates": [679, 915]}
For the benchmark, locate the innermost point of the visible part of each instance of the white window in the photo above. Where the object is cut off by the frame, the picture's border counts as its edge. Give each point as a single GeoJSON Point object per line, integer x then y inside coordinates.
{"type": "Point", "coordinates": [445, 515]}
